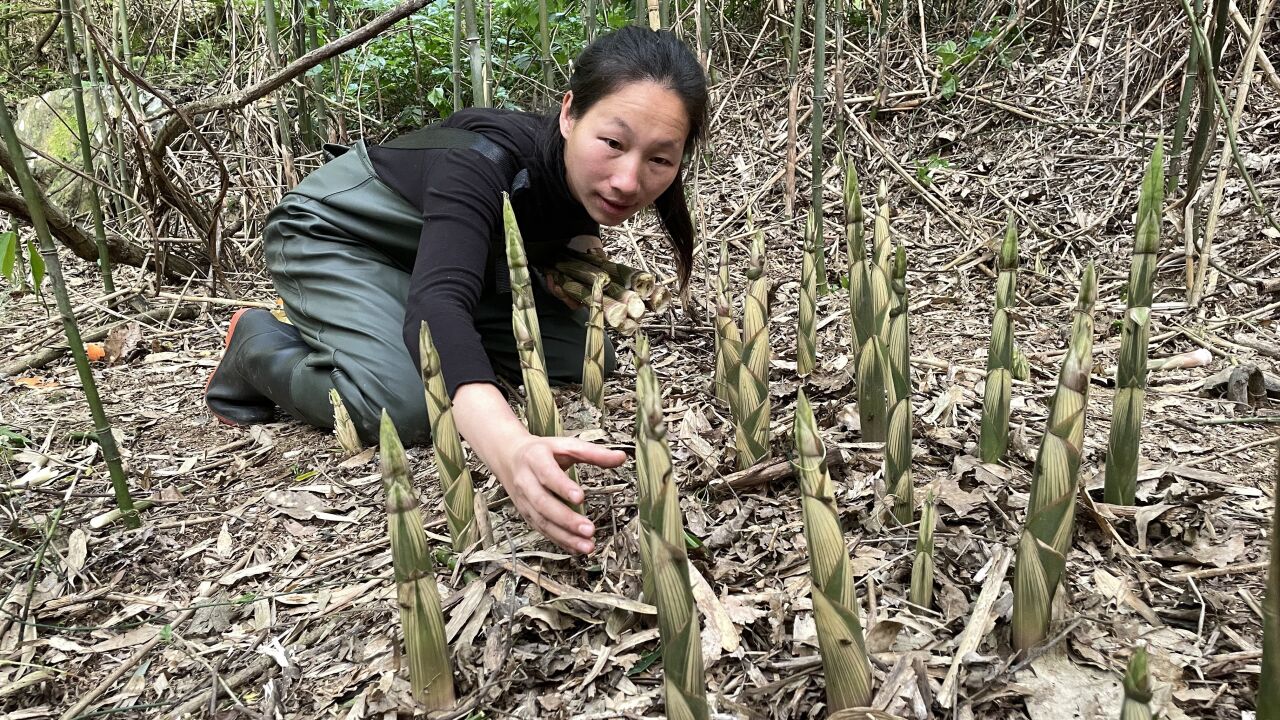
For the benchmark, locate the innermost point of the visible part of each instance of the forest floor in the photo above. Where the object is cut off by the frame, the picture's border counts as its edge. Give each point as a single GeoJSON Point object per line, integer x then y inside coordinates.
{"type": "Point", "coordinates": [263, 570]}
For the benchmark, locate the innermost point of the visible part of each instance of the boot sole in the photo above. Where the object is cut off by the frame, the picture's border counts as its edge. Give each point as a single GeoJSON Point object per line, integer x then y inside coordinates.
{"type": "Point", "coordinates": [226, 343]}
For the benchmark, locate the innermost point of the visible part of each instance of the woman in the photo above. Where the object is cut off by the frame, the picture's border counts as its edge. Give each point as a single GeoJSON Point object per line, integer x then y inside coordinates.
{"type": "Point", "coordinates": [388, 236]}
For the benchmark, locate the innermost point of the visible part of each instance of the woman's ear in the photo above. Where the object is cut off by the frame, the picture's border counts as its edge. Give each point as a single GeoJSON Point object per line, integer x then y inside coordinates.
{"type": "Point", "coordinates": [566, 120]}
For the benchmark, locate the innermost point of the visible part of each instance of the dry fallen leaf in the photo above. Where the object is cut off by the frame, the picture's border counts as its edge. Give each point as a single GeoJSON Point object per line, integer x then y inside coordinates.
{"type": "Point", "coordinates": [122, 342]}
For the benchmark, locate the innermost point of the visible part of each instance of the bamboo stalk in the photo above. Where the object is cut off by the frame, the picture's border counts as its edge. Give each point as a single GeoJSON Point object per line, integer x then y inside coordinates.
{"type": "Point", "coordinates": [663, 544]}
{"type": "Point", "coordinates": [593, 348]}
{"type": "Point", "coordinates": [1207, 121]}
{"type": "Point", "coordinates": [298, 28]}
{"type": "Point", "coordinates": [479, 92]}
{"type": "Point", "coordinates": [541, 414]}
{"type": "Point", "coordinates": [1046, 536]}
{"type": "Point", "coordinates": [1125, 434]}
{"type": "Point", "coordinates": [430, 673]}
{"type": "Point", "coordinates": [1190, 81]}
{"type": "Point", "coordinates": [835, 603]}
{"type": "Point", "coordinates": [282, 116]}
{"type": "Point", "coordinates": [487, 80]}
{"type": "Point", "coordinates": [752, 421]}
{"type": "Point", "coordinates": [793, 101]}
{"type": "Point", "coordinates": [837, 76]}
{"type": "Point", "coordinates": [86, 151]}
{"type": "Point", "coordinates": [815, 138]}
{"type": "Point", "coordinates": [451, 462]}
{"type": "Point", "coordinates": [1268, 700]}
{"type": "Point", "coordinates": [544, 46]}
{"type": "Point", "coordinates": [997, 394]}
{"type": "Point", "coordinates": [53, 269]}
{"type": "Point", "coordinates": [455, 56]}
{"type": "Point", "coordinates": [1232, 121]}
{"type": "Point", "coordinates": [806, 325]}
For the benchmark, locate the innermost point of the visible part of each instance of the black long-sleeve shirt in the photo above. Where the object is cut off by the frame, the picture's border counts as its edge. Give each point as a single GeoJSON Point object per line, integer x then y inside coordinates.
{"type": "Point", "coordinates": [459, 193]}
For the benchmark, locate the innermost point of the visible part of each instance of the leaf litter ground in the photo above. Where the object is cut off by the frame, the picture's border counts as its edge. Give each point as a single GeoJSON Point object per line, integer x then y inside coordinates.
{"type": "Point", "coordinates": [264, 571]}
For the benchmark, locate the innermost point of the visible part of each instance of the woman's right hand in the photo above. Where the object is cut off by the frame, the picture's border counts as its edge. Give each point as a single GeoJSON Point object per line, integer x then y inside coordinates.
{"type": "Point", "coordinates": [533, 473]}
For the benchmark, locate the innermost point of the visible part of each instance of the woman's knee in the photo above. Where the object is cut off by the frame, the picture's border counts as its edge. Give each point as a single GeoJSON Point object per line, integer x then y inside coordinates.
{"type": "Point", "coordinates": [407, 411]}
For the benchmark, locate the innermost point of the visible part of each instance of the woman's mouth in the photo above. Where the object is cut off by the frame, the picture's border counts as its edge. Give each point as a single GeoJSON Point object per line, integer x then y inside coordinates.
{"type": "Point", "coordinates": [615, 208]}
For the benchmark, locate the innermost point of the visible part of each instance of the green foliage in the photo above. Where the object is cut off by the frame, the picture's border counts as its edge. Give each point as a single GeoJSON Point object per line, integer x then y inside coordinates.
{"type": "Point", "coordinates": [952, 56]}
{"type": "Point", "coordinates": [18, 269]}
{"type": "Point", "coordinates": [925, 170]}
{"type": "Point", "coordinates": [202, 62]}
{"type": "Point", "coordinates": [406, 77]}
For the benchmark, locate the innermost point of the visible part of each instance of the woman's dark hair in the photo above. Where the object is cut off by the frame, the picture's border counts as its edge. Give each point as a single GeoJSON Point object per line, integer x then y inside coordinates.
{"type": "Point", "coordinates": [638, 54]}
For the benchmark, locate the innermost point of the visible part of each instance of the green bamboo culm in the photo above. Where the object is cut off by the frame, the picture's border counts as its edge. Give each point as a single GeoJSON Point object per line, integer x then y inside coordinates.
{"type": "Point", "coordinates": [752, 420]}
{"type": "Point", "coordinates": [455, 56]}
{"type": "Point", "coordinates": [593, 348]}
{"type": "Point", "coordinates": [489, 81]}
{"type": "Point", "coordinates": [663, 544]}
{"type": "Point", "coordinates": [1137, 688]}
{"type": "Point", "coordinates": [1131, 373]}
{"type": "Point", "coordinates": [997, 395]}
{"type": "Point", "coordinates": [1190, 82]}
{"type": "Point", "coordinates": [922, 566]}
{"type": "Point", "coordinates": [835, 604]}
{"type": "Point", "coordinates": [541, 415]}
{"type": "Point", "coordinates": [815, 137]}
{"type": "Point", "coordinates": [430, 673]}
{"type": "Point", "coordinates": [1269, 682]}
{"type": "Point", "coordinates": [1046, 536]}
{"type": "Point", "coordinates": [897, 382]}
{"type": "Point", "coordinates": [271, 27]}
{"type": "Point", "coordinates": [806, 324]}
{"type": "Point", "coordinates": [544, 45]}
{"type": "Point", "coordinates": [53, 270]}
{"type": "Point", "coordinates": [86, 150]}
{"type": "Point", "coordinates": [298, 26]}
{"type": "Point", "coordinates": [475, 55]}
{"type": "Point", "coordinates": [451, 462]}
{"type": "Point", "coordinates": [728, 337]}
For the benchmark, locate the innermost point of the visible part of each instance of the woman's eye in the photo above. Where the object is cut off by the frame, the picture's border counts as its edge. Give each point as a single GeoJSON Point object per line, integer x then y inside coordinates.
{"type": "Point", "coordinates": [661, 161]}
{"type": "Point", "coordinates": [613, 144]}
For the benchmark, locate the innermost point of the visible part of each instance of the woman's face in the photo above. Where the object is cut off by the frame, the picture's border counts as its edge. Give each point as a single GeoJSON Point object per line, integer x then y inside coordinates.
{"type": "Point", "coordinates": [625, 150]}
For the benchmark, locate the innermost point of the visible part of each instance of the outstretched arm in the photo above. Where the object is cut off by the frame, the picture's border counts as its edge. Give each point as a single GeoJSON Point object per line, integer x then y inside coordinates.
{"type": "Point", "coordinates": [531, 468]}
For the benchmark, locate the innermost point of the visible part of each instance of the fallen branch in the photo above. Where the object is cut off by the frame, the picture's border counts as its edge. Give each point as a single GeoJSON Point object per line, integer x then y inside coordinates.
{"type": "Point", "coordinates": [49, 354]}
{"type": "Point", "coordinates": [976, 628]}
{"type": "Point", "coordinates": [80, 241]}
{"type": "Point", "coordinates": [175, 125]}
{"type": "Point", "coordinates": [766, 472]}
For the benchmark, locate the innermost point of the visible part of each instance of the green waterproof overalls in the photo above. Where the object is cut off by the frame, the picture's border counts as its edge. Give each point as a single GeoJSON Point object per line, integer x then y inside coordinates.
{"type": "Point", "coordinates": [340, 247]}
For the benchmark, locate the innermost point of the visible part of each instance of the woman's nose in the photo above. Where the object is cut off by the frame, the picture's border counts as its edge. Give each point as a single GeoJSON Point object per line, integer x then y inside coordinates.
{"type": "Point", "coordinates": [626, 177]}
